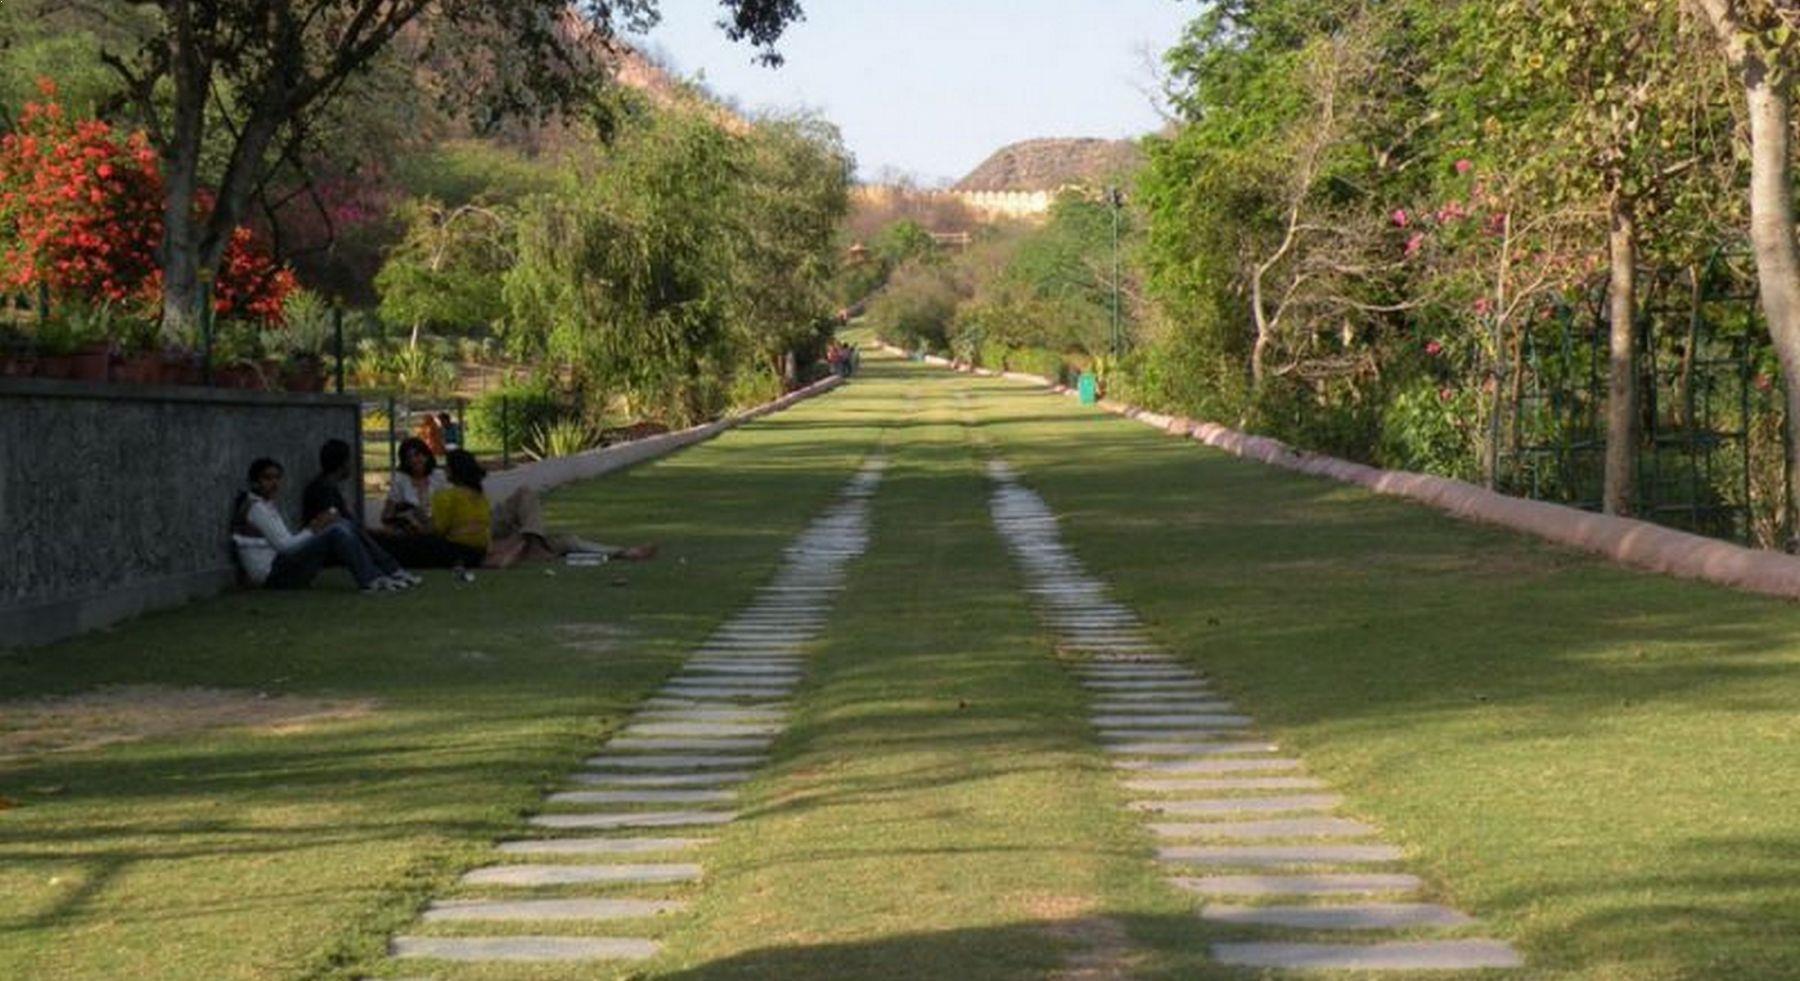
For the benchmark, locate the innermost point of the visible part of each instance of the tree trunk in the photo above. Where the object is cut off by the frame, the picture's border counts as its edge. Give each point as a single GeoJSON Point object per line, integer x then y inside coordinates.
{"type": "Point", "coordinates": [1621, 389]}
{"type": "Point", "coordinates": [179, 251]}
{"type": "Point", "coordinates": [1772, 238]}
{"type": "Point", "coordinates": [1684, 385]}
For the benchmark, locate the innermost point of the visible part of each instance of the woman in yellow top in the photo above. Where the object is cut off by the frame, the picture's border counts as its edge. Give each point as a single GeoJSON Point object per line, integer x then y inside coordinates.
{"type": "Point", "coordinates": [500, 536]}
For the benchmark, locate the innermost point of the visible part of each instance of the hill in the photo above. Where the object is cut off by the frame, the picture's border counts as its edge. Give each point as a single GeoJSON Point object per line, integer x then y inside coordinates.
{"type": "Point", "coordinates": [1049, 164]}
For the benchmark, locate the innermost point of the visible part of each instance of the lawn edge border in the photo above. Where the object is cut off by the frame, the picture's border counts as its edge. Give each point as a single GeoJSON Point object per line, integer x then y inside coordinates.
{"type": "Point", "coordinates": [557, 471]}
{"type": "Point", "coordinates": [1626, 541]}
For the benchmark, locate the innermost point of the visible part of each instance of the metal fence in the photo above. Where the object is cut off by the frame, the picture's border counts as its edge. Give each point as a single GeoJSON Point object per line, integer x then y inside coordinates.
{"type": "Point", "coordinates": [1710, 422]}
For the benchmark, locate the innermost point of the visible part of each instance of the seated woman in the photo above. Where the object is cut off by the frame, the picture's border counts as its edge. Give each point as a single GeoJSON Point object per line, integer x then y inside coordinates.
{"type": "Point", "coordinates": [512, 532]}
{"type": "Point", "coordinates": [406, 529]}
{"type": "Point", "coordinates": [275, 558]}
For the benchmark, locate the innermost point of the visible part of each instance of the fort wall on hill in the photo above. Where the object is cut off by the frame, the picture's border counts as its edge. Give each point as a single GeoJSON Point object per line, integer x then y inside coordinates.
{"type": "Point", "coordinates": [988, 206]}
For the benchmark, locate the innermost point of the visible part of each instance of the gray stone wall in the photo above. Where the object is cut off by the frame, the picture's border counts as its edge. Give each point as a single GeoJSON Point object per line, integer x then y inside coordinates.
{"type": "Point", "coordinates": [116, 499]}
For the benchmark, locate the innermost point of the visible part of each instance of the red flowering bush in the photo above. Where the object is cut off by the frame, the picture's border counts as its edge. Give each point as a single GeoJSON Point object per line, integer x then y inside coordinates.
{"type": "Point", "coordinates": [81, 213]}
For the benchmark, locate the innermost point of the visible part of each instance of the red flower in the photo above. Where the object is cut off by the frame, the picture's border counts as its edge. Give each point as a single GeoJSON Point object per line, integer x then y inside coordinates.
{"type": "Point", "coordinates": [85, 209]}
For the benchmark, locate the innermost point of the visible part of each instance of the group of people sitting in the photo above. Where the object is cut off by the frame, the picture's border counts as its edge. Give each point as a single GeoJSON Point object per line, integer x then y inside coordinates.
{"type": "Point", "coordinates": [431, 519]}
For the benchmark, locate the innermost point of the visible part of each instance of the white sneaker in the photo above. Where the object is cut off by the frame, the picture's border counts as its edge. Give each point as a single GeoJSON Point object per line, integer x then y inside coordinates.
{"type": "Point", "coordinates": [409, 578]}
{"type": "Point", "coordinates": [385, 584]}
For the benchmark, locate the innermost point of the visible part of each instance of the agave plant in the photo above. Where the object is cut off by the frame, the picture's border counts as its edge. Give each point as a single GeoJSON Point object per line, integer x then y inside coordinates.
{"type": "Point", "coordinates": [564, 437]}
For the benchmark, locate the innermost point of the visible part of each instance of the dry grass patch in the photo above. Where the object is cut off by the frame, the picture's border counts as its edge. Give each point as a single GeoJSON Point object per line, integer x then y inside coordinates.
{"type": "Point", "coordinates": [594, 638]}
{"type": "Point", "coordinates": [128, 713]}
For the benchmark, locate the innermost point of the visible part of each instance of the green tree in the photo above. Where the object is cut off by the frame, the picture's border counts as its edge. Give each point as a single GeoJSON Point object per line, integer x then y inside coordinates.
{"type": "Point", "coordinates": [258, 77]}
{"type": "Point", "coordinates": [448, 271]}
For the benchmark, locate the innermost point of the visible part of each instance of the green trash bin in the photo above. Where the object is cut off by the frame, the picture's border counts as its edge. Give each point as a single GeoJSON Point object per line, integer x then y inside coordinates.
{"type": "Point", "coordinates": [1089, 388]}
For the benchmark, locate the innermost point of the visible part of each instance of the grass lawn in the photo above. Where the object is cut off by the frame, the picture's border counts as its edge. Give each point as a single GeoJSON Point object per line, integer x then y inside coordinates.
{"type": "Point", "coordinates": [282, 853]}
{"type": "Point", "coordinates": [1598, 763]}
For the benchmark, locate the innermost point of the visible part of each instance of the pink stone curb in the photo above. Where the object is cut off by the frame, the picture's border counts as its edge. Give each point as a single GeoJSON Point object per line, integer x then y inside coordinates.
{"type": "Point", "coordinates": [1627, 541]}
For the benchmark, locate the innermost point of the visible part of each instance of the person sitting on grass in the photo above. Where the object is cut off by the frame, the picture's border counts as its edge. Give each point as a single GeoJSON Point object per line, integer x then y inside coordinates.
{"type": "Point", "coordinates": [275, 558]}
{"type": "Point", "coordinates": [512, 532]}
{"type": "Point", "coordinates": [326, 493]}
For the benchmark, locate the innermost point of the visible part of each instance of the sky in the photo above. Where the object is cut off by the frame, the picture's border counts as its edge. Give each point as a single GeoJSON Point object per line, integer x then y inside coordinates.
{"type": "Point", "coordinates": [929, 88]}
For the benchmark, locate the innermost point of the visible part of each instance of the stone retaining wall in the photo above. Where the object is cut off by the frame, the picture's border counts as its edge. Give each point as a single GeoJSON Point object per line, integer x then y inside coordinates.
{"type": "Point", "coordinates": [1627, 541]}
{"type": "Point", "coordinates": [116, 499]}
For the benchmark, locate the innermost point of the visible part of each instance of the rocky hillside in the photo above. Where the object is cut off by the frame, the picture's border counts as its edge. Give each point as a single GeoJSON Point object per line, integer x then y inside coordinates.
{"type": "Point", "coordinates": [1045, 165]}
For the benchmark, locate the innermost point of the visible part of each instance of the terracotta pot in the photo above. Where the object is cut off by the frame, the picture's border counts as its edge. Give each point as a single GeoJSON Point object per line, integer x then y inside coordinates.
{"type": "Point", "coordinates": [141, 368]}
{"type": "Point", "coordinates": [91, 363]}
{"type": "Point", "coordinates": [180, 368]}
{"type": "Point", "coordinates": [303, 375]}
{"type": "Point", "coordinates": [20, 365]}
{"type": "Point", "coordinates": [55, 366]}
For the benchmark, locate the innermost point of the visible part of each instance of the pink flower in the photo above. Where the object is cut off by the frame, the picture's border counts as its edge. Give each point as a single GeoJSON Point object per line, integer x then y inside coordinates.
{"type": "Point", "coordinates": [1433, 348]}
{"type": "Point", "coordinates": [1464, 166]}
{"type": "Point", "coordinates": [1400, 218]}
{"type": "Point", "coordinates": [1483, 305]}
{"type": "Point", "coordinates": [1414, 244]}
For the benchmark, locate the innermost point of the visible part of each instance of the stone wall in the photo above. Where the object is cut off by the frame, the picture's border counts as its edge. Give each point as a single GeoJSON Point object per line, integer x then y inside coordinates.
{"type": "Point", "coordinates": [115, 499]}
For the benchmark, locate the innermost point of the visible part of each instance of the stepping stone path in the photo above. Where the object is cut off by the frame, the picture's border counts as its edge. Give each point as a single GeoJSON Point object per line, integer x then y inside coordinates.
{"type": "Point", "coordinates": [628, 819]}
{"type": "Point", "coordinates": [1236, 820]}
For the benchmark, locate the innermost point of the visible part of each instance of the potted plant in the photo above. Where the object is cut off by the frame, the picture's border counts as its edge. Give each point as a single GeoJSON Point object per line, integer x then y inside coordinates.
{"type": "Point", "coordinates": [140, 358]}
{"type": "Point", "coordinates": [90, 341]}
{"type": "Point", "coordinates": [57, 341]}
{"type": "Point", "coordinates": [303, 339]}
{"type": "Point", "coordinates": [236, 356]}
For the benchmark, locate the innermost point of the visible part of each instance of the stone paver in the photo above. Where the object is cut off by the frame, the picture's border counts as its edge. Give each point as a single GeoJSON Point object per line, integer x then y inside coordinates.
{"type": "Point", "coordinates": [599, 846]}
{"type": "Point", "coordinates": [662, 745]}
{"type": "Point", "coordinates": [704, 729]}
{"type": "Point", "coordinates": [1418, 955]}
{"type": "Point", "coordinates": [1208, 766]}
{"type": "Point", "coordinates": [643, 819]}
{"type": "Point", "coordinates": [1361, 916]}
{"type": "Point", "coordinates": [1310, 827]}
{"type": "Point", "coordinates": [715, 691]}
{"type": "Point", "coordinates": [642, 797]}
{"type": "Point", "coordinates": [1321, 884]}
{"type": "Point", "coordinates": [524, 948]}
{"type": "Point", "coordinates": [1170, 721]}
{"type": "Point", "coordinates": [714, 778]}
{"type": "Point", "coordinates": [1246, 783]}
{"type": "Point", "coordinates": [1241, 805]}
{"type": "Point", "coordinates": [1273, 855]}
{"type": "Point", "coordinates": [1156, 748]}
{"type": "Point", "coordinates": [675, 761]}
{"type": "Point", "coordinates": [570, 875]}
{"type": "Point", "coordinates": [459, 910]}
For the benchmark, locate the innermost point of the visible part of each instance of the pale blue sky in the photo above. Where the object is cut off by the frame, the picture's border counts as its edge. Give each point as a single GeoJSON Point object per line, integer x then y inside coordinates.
{"type": "Point", "coordinates": [931, 87]}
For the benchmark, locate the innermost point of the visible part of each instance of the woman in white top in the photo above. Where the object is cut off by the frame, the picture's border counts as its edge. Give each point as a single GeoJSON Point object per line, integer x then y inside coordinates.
{"type": "Point", "coordinates": [406, 530]}
{"type": "Point", "coordinates": [275, 558]}
{"type": "Point", "coordinates": [408, 507]}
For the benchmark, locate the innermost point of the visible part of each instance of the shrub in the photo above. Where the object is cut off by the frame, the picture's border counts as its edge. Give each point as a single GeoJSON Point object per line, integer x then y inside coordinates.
{"type": "Point", "coordinates": [561, 437]}
{"type": "Point", "coordinates": [1036, 361]}
{"type": "Point", "coordinates": [506, 416]}
{"type": "Point", "coordinates": [917, 308]}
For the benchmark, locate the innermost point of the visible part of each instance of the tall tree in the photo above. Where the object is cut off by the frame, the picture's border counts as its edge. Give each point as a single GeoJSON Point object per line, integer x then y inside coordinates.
{"type": "Point", "coordinates": [1760, 41]}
